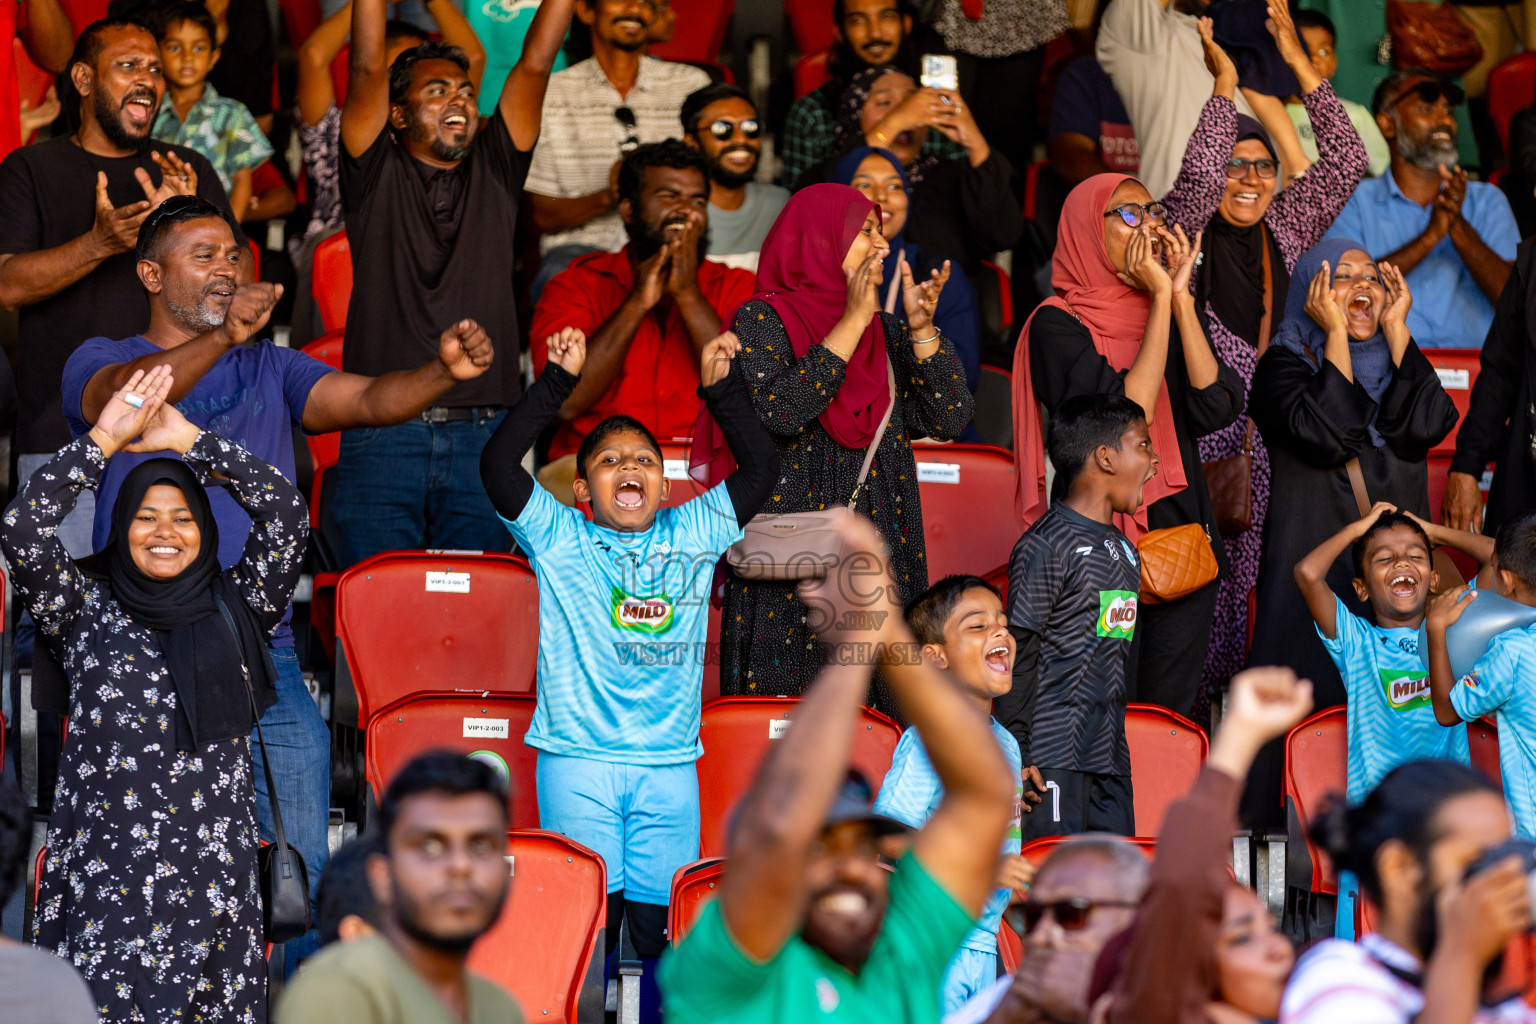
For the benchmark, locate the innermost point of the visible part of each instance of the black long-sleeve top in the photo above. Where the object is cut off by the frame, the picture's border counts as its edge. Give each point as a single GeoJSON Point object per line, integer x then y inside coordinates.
{"type": "Point", "coordinates": [510, 486]}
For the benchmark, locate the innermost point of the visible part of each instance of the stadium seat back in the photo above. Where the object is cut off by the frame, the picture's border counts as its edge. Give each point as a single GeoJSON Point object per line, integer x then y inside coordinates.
{"type": "Point", "coordinates": [810, 72]}
{"type": "Point", "coordinates": [1010, 948]}
{"type": "Point", "coordinates": [1511, 85]}
{"type": "Point", "coordinates": [540, 946]}
{"type": "Point", "coordinates": [417, 621]}
{"type": "Point", "coordinates": [999, 579]}
{"type": "Point", "coordinates": [1316, 764]}
{"type": "Point", "coordinates": [736, 732]}
{"type": "Point", "coordinates": [693, 885]}
{"type": "Point", "coordinates": [674, 457]}
{"type": "Point", "coordinates": [699, 32]}
{"type": "Point", "coordinates": [1037, 850]}
{"type": "Point", "coordinates": [1167, 752]}
{"type": "Point", "coordinates": [331, 280]}
{"type": "Point", "coordinates": [969, 521]}
{"type": "Point", "coordinates": [811, 23]}
{"type": "Point", "coordinates": [324, 449]}
{"type": "Point", "coordinates": [466, 722]}
{"type": "Point", "coordinates": [1483, 742]}
{"type": "Point", "coordinates": [1458, 369]}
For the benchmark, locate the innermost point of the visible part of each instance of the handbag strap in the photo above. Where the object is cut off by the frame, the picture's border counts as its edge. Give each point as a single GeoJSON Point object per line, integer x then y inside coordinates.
{"type": "Point", "coordinates": [1269, 291]}
{"type": "Point", "coordinates": [1357, 484]}
{"type": "Point", "coordinates": [280, 838]}
{"type": "Point", "coordinates": [874, 445]}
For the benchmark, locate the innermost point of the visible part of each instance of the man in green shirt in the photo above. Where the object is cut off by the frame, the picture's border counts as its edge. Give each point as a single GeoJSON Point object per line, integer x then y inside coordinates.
{"type": "Point", "coordinates": [809, 926]}
{"type": "Point", "coordinates": [441, 877]}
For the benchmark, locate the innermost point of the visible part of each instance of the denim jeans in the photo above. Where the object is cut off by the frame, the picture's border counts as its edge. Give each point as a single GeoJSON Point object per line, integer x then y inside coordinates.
{"type": "Point", "coordinates": [415, 486]}
{"type": "Point", "coordinates": [300, 748]}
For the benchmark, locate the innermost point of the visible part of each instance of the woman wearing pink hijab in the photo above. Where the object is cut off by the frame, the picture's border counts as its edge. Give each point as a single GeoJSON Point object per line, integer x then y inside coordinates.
{"type": "Point", "coordinates": [815, 355]}
{"type": "Point", "coordinates": [1123, 322]}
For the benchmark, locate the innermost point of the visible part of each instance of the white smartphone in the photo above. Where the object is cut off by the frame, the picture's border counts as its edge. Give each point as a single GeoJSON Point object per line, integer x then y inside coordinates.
{"type": "Point", "coordinates": [940, 72]}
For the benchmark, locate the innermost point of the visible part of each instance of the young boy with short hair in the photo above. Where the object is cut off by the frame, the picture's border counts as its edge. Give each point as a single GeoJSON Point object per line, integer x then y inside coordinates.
{"type": "Point", "coordinates": [1391, 720]}
{"type": "Point", "coordinates": [1500, 681]}
{"type": "Point", "coordinates": [1073, 583]}
{"type": "Point", "coordinates": [194, 115]}
{"type": "Point", "coordinates": [960, 624]}
{"type": "Point", "coordinates": [1317, 32]}
{"type": "Point", "coordinates": [623, 602]}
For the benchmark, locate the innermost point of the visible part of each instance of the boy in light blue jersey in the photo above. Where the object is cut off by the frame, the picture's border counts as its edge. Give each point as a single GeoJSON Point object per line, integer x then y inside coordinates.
{"type": "Point", "coordinates": [1391, 720]}
{"type": "Point", "coordinates": [1503, 680]}
{"type": "Point", "coordinates": [622, 626]}
{"type": "Point", "coordinates": [962, 627]}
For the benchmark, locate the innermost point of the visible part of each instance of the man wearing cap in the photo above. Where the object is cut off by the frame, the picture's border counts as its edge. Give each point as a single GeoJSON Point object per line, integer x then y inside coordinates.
{"type": "Point", "coordinates": [809, 924]}
{"type": "Point", "coordinates": [1453, 239]}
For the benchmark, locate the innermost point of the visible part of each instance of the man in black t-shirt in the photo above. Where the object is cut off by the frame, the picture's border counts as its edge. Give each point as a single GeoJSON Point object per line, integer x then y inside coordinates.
{"type": "Point", "coordinates": [431, 207]}
{"type": "Point", "coordinates": [66, 262]}
{"type": "Point", "coordinates": [1073, 583]}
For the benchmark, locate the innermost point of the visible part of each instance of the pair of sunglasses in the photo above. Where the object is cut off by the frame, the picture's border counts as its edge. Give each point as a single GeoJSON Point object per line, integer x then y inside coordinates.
{"type": "Point", "coordinates": [1134, 213]}
{"type": "Point", "coordinates": [1072, 915]}
{"type": "Point", "coordinates": [1433, 92]}
{"type": "Point", "coordinates": [750, 127]}
{"type": "Point", "coordinates": [1265, 167]}
{"type": "Point", "coordinates": [627, 121]}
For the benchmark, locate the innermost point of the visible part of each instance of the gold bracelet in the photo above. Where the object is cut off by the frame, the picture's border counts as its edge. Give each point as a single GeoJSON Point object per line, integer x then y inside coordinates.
{"type": "Point", "coordinates": [880, 135]}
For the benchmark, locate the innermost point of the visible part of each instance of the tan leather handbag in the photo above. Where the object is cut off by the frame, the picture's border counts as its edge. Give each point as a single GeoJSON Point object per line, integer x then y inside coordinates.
{"type": "Point", "coordinates": [801, 545]}
{"type": "Point", "coordinates": [1175, 562]}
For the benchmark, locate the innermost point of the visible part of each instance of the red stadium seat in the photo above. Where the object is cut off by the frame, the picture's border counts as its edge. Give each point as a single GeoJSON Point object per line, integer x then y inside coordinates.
{"type": "Point", "coordinates": [1010, 948]}
{"type": "Point", "coordinates": [250, 243]}
{"type": "Point", "coordinates": [699, 32]}
{"type": "Point", "coordinates": [1316, 764]}
{"type": "Point", "coordinates": [1511, 85]}
{"type": "Point", "coordinates": [324, 449]}
{"type": "Point", "coordinates": [428, 621]}
{"type": "Point", "coordinates": [969, 520]}
{"type": "Point", "coordinates": [1458, 369]}
{"type": "Point", "coordinates": [331, 280]}
{"type": "Point", "coordinates": [1167, 752]}
{"type": "Point", "coordinates": [674, 454]}
{"type": "Point", "coordinates": [710, 683]}
{"type": "Point", "coordinates": [999, 578]}
{"type": "Point", "coordinates": [1483, 742]}
{"type": "Point", "coordinates": [540, 946]}
{"type": "Point", "coordinates": [1037, 850]}
{"type": "Point", "coordinates": [995, 280]}
{"type": "Point", "coordinates": [693, 885]}
{"type": "Point", "coordinates": [458, 721]}
{"type": "Point", "coordinates": [810, 72]}
{"type": "Point", "coordinates": [736, 732]}
{"type": "Point", "coordinates": [301, 17]}
{"type": "Point", "coordinates": [811, 23]}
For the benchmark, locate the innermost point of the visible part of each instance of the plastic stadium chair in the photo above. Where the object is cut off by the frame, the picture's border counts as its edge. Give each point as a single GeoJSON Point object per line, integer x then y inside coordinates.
{"type": "Point", "coordinates": [810, 72]}
{"type": "Point", "coordinates": [1010, 948]}
{"type": "Point", "coordinates": [1511, 85]}
{"type": "Point", "coordinates": [995, 291]}
{"type": "Point", "coordinates": [428, 621]}
{"type": "Point", "coordinates": [331, 280]}
{"type": "Point", "coordinates": [693, 885]}
{"type": "Point", "coordinates": [1316, 764]}
{"type": "Point", "coordinates": [465, 722]}
{"type": "Point", "coordinates": [300, 17]}
{"type": "Point", "coordinates": [1167, 752]}
{"type": "Point", "coordinates": [999, 579]}
{"type": "Point", "coordinates": [1458, 369]}
{"type": "Point", "coordinates": [324, 449]}
{"type": "Point", "coordinates": [811, 23]}
{"type": "Point", "coordinates": [1037, 850]}
{"type": "Point", "coordinates": [1483, 742]}
{"type": "Point", "coordinates": [969, 520]}
{"type": "Point", "coordinates": [699, 32]}
{"type": "Point", "coordinates": [541, 945]}
{"type": "Point", "coordinates": [736, 732]}
{"type": "Point", "coordinates": [674, 455]}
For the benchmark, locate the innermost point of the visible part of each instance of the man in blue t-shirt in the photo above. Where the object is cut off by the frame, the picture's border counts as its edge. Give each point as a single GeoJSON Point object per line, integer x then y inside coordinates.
{"type": "Point", "coordinates": [253, 394]}
{"type": "Point", "coordinates": [1391, 720]}
{"type": "Point", "coordinates": [623, 602]}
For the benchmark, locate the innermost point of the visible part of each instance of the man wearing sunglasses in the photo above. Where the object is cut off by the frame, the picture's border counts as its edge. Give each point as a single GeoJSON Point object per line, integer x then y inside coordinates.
{"type": "Point", "coordinates": [1454, 239]}
{"type": "Point", "coordinates": [721, 122]}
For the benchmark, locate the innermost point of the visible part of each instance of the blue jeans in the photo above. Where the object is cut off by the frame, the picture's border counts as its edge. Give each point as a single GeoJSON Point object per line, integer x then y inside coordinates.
{"type": "Point", "coordinates": [300, 747]}
{"type": "Point", "coordinates": [416, 485]}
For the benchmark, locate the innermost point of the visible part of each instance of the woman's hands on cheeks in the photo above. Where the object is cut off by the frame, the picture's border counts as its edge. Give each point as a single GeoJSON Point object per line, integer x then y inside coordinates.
{"type": "Point", "coordinates": [1143, 270]}
{"type": "Point", "coordinates": [921, 298]}
{"type": "Point", "coordinates": [1179, 256]}
{"type": "Point", "coordinates": [864, 289]}
{"type": "Point", "coordinates": [568, 349]}
{"type": "Point", "coordinates": [1321, 307]}
{"type": "Point", "coordinates": [129, 410]}
{"type": "Point", "coordinates": [715, 360]}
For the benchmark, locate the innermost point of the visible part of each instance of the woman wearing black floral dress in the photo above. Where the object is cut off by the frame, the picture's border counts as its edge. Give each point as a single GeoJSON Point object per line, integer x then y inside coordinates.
{"type": "Point", "coordinates": [815, 356]}
{"type": "Point", "coordinates": [149, 887]}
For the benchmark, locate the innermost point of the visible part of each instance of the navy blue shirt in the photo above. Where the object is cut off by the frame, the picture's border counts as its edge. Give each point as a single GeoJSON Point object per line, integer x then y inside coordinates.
{"type": "Point", "coordinates": [254, 395]}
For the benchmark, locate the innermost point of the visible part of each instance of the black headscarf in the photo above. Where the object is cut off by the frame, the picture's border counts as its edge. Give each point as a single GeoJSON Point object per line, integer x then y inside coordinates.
{"type": "Point", "coordinates": [203, 658]}
{"type": "Point", "coordinates": [847, 133]}
{"type": "Point", "coordinates": [1232, 271]}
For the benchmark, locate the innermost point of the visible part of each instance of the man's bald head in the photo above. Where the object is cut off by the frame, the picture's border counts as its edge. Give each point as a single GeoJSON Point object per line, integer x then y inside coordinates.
{"type": "Point", "coordinates": [1100, 870]}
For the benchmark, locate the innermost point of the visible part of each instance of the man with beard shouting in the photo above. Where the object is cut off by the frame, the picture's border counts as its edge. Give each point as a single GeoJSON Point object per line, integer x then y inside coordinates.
{"type": "Point", "coordinates": [1454, 240]}
{"type": "Point", "coordinates": [722, 122]}
{"type": "Point", "coordinates": [66, 262]}
{"type": "Point", "coordinates": [430, 200]}
{"type": "Point", "coordinates": [647, 310]}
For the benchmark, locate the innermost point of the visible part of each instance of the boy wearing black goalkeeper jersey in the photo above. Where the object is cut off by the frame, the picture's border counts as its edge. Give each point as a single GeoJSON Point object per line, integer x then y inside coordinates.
{"type": "Point", "coordinates": [1073, 582]}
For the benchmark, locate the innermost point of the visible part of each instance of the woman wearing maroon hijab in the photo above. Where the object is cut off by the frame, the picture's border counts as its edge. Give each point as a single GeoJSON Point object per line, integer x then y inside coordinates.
{"type": "Point", "coordinates": [815, 353]}
{"type": "Point", "coordinates": [1122, 323]}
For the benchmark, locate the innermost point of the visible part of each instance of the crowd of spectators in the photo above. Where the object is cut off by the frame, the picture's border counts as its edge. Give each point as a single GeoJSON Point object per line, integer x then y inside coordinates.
{"type": "Point", "coordinates": [1236, 243]}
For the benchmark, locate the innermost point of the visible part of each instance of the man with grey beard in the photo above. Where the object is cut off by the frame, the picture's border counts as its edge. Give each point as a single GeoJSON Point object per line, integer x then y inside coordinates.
{"type": "Point", "coordinates": [1454, 239]}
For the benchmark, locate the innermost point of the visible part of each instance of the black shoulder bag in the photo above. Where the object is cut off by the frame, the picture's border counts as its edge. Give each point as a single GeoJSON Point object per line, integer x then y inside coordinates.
{"type": "Point", "coordinates": [283, 877]}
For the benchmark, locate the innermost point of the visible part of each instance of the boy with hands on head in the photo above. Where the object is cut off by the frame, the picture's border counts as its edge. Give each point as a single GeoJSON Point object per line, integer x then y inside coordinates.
{"type": "Point", "coordinates": [622, 623]}
{"type": "Point", "coordinates": [1391, 720]}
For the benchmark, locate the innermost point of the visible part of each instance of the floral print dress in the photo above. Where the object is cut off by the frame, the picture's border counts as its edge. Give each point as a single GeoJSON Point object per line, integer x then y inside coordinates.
{"type": "Point", "coordinates": [149, 888]}
{"type": "Point", "coordinates": [1298, 217]}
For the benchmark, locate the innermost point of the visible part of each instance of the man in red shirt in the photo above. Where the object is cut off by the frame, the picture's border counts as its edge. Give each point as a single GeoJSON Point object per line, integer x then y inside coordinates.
{"type": "Point", "coordinates": [648, 310]}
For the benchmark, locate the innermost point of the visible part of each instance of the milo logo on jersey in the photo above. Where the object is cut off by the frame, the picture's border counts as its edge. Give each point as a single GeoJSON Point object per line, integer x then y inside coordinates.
{"type": "Point", "coordinates": [1405, 690]}
{"type": "Point", "coordinates": [1117, 614]}
{"type": "Point", "coordinates": [641, 614]}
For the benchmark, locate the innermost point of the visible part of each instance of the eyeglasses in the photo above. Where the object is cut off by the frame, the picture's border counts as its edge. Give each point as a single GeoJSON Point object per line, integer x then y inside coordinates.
{"type": "Point", "coordinates": [1237, 167]}
{"type": "Point", "coordinates": [1072, 915]}
{"type": "Point", "coordinates": [1134, 213]}
{"type": "Point", "coordinates": [626, 119]}
{"type": "Point", "coordinates": [1432, 92]}
{"type": "Point", "coordinates": [723, 129]}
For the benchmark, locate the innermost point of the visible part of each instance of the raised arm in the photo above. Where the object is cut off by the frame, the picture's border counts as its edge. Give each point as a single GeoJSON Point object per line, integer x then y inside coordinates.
{"type": "Point", "coordinates": [366, 111]}
{"type": "Point", "coordinates": [316, 91]}
{"type": "Point", "coordinates": [507, 483]}
{"type": "Point", "coordinates": [47, 35]}
{"type": "Point", "coordinates": [1202, 179]}
{"type": "Point", "coordinates": [1312, 571]}
{"type": "Point", "coordinates": [725, 396]}
{"type": "Point", "coordinates": [1443, 610]}
{"type": "Point", "coordinates": [1474, 545]}
{"type": "Point", "coordinates": [522, 97]}
{"type": "Point", "coordinates": [457, 31]}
